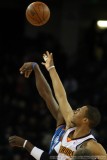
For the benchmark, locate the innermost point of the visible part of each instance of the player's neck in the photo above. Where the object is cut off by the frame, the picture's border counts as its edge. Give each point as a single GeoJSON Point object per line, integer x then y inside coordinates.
{"type": "Point", "coordinates": [80, 132]}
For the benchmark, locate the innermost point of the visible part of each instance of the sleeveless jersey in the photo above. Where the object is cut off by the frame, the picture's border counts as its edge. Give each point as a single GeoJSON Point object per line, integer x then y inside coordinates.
{"type": "Point", "coordinates": [69, 146]}
{"type": "Point", "coordinates": [56, 137]}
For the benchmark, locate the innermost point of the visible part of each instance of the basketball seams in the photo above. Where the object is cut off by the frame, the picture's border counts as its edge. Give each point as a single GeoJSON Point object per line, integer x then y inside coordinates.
{"type": "Point", "coordinates": [37, 13]}
{"type": "Point", "coordinates": [32, 16]}
{"type": "Point", "coordinates": [29, 15]}
{"type": "Point", "coordinates": [38, 7]}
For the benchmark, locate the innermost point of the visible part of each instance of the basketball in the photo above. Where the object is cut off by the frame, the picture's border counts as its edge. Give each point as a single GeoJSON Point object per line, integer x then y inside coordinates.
{"type": "Point", "coordinates": [37, 13]}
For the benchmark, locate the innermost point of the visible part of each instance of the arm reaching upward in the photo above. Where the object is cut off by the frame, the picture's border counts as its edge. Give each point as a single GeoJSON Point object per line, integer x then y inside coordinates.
{"type": "Point", "coordinates": [59, 90]}
{"type": "Point", "coordinates": [43, 89]}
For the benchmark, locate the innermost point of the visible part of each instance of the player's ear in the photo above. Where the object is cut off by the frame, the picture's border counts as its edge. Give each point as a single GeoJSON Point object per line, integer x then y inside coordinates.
{"type": "Point", "coordinates": [85, 120]}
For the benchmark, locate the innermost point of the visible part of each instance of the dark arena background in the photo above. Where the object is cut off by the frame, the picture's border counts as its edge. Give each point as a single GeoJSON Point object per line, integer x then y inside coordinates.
{"type": "Point", "coordinates": [80, 52]}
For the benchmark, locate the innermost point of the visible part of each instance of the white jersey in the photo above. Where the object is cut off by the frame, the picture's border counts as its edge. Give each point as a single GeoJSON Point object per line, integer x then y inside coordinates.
{"type": "Point", "coordinates": [66, 147]}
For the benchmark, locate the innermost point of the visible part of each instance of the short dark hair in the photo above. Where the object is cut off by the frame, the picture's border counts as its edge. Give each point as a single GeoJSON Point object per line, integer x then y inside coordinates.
{"type": "Point", "coordinates": [93, 115]}
{"type": "Point", "coordinates": [83, 154]}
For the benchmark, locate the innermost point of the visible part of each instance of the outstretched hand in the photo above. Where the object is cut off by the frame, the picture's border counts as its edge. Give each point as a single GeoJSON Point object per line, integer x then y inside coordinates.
{"type": "Point", "coordinates": [48, 60]}
{"type": "Point", "coordinates": [27, 69]}
{"type": "Point", "coordinates": [16, 141]}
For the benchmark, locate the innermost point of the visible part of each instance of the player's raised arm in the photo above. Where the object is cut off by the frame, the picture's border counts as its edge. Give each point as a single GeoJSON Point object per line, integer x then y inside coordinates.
{"type": "Point", "coordinates": [43, 89]}
{"type": "Point", "coordinates": [58, 89]}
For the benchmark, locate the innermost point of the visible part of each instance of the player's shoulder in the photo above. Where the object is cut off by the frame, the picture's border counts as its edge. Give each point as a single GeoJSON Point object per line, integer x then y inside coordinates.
{"type": "Point", "coordinates": [95, 146]}
{"type": "Point", "coordinates": [93, 142]}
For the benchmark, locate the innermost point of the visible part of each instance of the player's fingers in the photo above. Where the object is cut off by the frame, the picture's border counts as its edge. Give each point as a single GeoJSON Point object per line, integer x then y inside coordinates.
{"type": "Point", "coordinates": [25, 71]}
{"type": "Point", "coordinates": [43, 63]}
{"type": "Point", "coordinates": [12, 141]}
{"type": "Point", "coordinates": [21, 72]}
{"type": "Point", "coordinates": [51, 54]}
{"type": "Point", "coordinates": [45, 57]}
{"type": "Point", "coordinates": [30, 71]}
{"type": "Point", "coordinates": [21, 68]}
{"type": "Point", "coordinates": [47, 52]}
{"type": "Point", "coordinates": [24, 67]}
{"type": "Point", "coordinates": [12, 137]}
{"type": "Point", "coordinates": [12, 144]}
{"type": "Point", "coordinates": [27, 74]}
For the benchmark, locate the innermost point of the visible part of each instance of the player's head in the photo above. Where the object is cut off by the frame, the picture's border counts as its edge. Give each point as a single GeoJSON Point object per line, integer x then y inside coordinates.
{"type": "Point", "coordinates": [86, 115]}
{"type": "Point", "coordinates": [83, 154]}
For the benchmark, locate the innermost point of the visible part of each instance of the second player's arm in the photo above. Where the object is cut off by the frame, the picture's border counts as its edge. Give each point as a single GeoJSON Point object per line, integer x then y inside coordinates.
{"type": "Point", "coordinates": [43, 89]}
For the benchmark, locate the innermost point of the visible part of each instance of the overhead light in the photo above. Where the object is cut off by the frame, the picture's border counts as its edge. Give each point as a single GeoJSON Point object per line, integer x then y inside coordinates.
{"type": "Point", "coordinates": [102, 24]}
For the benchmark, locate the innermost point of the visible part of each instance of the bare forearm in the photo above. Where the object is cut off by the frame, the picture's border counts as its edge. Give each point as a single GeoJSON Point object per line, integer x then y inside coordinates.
{"type": "Point", "coordinates": [45, 91]}
{"type": "Point", "coordinates": [57, 84]}
{"type": "Point", "coordinates": [61, 96]}
{"type": "Point", "coordinates": [41, 83]}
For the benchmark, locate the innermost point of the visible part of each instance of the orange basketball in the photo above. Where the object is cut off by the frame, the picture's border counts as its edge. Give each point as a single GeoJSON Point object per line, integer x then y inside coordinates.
{"type": "Point", "coordinates": [38, 13]}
